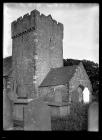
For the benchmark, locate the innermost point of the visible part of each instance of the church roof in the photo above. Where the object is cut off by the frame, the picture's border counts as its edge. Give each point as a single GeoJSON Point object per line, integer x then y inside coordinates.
{"type": "Point", "coordinates": [59, 76]}
{"type": "Point", "coordinates": [7, 65]}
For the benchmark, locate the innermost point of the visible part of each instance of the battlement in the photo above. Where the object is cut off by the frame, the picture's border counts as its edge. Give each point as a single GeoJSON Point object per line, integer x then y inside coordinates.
{"type": "Point", "coordinates": [28, 23]}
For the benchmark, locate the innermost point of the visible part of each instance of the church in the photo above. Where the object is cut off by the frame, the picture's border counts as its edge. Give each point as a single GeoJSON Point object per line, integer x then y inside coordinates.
{"type": "Point", "coordinates": [36, 69]}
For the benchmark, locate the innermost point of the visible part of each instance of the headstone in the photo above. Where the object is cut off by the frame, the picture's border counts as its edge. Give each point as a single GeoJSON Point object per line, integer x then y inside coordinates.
{"type": "Point", "coordinates": [93, 117]}
{"type": "Point", "coordinates": [7, 112]}
{"type": "Point", "coordinates": [37, 116]}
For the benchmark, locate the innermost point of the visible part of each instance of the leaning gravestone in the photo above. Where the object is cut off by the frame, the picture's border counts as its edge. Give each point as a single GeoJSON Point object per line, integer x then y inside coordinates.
{"type": "Point", "coordinates": [7, 112]}
{"type": "Point", "coordinates": [93, 117]}
{"type": "Point", "coordinates": [37, 116]}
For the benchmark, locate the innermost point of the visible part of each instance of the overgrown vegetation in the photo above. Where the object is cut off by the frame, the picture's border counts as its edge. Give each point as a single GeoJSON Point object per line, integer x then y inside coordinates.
{"type": "Point", "coordinates": [76, 121]}
{"type": "Point", "coordinates": [92, 70]}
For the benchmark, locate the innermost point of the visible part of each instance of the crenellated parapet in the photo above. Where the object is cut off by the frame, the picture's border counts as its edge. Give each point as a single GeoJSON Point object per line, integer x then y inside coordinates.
{"type": "Point", "coordinates": [24, 24]}
{"type": "Point", "coordinates": [29, 22]}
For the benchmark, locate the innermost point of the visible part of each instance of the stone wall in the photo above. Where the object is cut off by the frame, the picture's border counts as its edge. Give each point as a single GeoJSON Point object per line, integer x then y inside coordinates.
{"type": "Point", "coordinates": [36, 47]}
{"type": "Point", "coordinates": [80, 78]}
{"type": "Point", "coordinates": [54, 93]}
{"type": "Point", "coordinates": [49, 46]}
{"type": "Point", "coordinates": [23, 51]}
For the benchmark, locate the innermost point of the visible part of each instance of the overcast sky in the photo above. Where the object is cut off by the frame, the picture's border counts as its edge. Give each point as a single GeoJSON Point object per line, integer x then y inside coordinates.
{"type": "Point", "coordinates": [81, 27]}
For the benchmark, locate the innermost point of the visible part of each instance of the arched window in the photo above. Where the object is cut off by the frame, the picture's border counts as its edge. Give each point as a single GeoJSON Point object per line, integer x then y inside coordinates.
{"type": "Point", "coordinates": [86, 95]}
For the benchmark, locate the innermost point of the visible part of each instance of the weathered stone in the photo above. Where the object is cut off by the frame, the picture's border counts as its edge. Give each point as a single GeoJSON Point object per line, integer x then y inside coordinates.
{"type": "Point", "coordinates": [75, 96]}
{"type": "Point", "coordinates": [37, 116]}
{"type": "Point", "coordinates": [7, 112]}
{"type": "Point", "coordinates": [31, 114]}
{"type": "Point", "coordinates": [69, 91]}
{"type": "Point", "coordinates": [59, 109]}
{"type": "Point", "coordinates": [64, 110]}
{"type": "Point", "coordinates": [93, 117]}
{"type": "Point", "coordinates": [27, 43]}
{"type": "Point", "coordinates": [80, 77]}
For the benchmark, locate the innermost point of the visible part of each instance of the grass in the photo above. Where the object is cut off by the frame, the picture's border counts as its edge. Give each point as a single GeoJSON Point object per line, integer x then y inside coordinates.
{"type": "Point", "coordinates": [76, 121]}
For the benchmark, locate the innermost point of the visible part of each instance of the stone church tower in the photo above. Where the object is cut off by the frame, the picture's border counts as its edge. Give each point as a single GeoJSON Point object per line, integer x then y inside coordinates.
{"type": "Point", "coordinates": [37, 46]}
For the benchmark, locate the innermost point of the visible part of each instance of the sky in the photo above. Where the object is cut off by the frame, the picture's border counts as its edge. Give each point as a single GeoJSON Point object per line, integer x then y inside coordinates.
{"type": "Point", "coordinates": [81, 26]}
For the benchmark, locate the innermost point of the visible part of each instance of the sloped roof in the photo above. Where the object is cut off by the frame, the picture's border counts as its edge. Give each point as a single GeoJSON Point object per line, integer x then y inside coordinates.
{"type": "Point", "coordinates": [59, 76]}
{"type": "Point", "coordinates": [7, 65]}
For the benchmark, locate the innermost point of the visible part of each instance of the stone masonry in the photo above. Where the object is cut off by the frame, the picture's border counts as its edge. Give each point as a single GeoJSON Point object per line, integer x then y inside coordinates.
{"type": "Point", "coordinates": [80, 77]}
{"type": "Point", "coordinates": [37, 46]}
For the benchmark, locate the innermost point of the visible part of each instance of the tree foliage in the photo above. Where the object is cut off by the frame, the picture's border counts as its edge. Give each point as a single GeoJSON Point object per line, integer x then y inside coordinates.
{"type": "Point", "coordinates": [92, 70]}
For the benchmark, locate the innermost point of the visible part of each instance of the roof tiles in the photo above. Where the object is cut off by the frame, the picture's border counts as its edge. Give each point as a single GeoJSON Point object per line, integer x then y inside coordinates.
{"type": "Point", "coordinates": [58, 76]}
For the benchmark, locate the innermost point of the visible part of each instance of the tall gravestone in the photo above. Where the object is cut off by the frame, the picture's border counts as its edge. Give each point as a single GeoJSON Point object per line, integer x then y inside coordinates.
{"type": "Point", "coordinates": [93, 117]}
{"type": "Point", "coordinates": [34, 114]}
{"type": "Point", "coordinates": [37, 116]}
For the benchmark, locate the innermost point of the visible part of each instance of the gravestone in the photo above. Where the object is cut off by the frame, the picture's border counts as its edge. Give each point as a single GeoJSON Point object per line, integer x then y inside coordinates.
{"type": "Point", "coordinates": [37, 116]}
{"type": "Point", "coordinates": [7, 112]}
{"type": "Point", "coordinates": [34, 114]}
{"type": "Point", "coordinates": [93, 117]}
